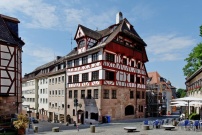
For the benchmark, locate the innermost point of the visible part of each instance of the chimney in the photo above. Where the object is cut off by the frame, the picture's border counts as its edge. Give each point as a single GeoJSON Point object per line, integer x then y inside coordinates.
{"type": "Point", "coordinates": [119, 17]}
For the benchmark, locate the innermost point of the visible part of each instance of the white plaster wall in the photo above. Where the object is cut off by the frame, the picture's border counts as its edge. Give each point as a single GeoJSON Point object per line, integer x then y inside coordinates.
{"type": "Point", "coordinates": [29, 87]}
{"type": "Point", "coordinates": [43, 86]}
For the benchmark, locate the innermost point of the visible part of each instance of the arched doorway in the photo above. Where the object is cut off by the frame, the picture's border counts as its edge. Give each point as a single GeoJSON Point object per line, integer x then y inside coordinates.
{"type": "Point", "coordinates": [129, 110]}
{"type": "Point", "coordinates": [80, 116]}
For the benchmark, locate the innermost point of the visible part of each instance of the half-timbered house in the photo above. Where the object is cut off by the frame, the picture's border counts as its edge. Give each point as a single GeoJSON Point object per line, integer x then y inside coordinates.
{"type": "Point", "coordinates": [10, 66]}
{"type": "Point", "coordinates": [106, 73]}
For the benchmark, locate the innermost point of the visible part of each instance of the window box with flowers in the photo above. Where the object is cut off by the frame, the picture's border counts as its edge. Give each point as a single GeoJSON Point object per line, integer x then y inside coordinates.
{"type": "Point", "coordinates": [21, 123]}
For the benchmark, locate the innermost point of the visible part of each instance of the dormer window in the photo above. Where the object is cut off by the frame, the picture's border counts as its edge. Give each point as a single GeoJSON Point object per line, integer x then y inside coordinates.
{"type": "Point", "coordinates": [81, 43]}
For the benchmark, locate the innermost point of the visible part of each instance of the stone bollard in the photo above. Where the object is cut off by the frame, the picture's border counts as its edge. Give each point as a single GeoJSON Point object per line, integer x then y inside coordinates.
{"type": "Point", "coordinates": [35, 129]}
{"type": "Point", "coordinates": [92, 128]}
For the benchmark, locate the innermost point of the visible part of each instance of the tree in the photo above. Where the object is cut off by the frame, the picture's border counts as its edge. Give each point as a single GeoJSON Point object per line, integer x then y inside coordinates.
{"type": "Point", "coordinates": [194, 60]}
{"type": "Point", "coordinates": [181, 93]}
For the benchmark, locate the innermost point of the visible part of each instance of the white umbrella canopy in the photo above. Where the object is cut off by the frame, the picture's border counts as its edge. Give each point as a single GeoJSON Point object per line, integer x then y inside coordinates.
{"type": "Point", "coordinates": [179, 104]}
{"type": "Point", "coordinates": [188, 100]}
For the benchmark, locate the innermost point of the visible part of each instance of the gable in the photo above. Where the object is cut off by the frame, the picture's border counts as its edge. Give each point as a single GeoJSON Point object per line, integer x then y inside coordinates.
{"type": "Point", "coordinates": [79, 33]}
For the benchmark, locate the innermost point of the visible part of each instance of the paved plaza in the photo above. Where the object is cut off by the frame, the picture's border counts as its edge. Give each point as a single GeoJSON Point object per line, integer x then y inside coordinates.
{"type": "Point", "coordinates": [114, 128]}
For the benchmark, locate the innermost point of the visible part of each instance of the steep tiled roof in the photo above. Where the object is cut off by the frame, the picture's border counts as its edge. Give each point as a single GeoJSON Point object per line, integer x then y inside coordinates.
{"type": "Point", "coordinates": [6, 34]}
{"type": "Point", "coordinates": [90, 33]}
{"type": "Point", "coordinates": [154, 77]}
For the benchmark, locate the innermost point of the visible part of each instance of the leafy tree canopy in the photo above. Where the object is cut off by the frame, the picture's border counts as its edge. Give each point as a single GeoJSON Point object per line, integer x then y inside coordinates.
{"type": "Point", "coordinates": [181, 93]}
{"type": "Point", "coordinates": [194, 60]}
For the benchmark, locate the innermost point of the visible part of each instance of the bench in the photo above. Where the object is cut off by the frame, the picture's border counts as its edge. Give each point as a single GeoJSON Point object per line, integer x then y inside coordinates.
{"type": "Point", "coordinates": [168, 127]}
{"type": "Point", "coordinates": [145, 127]}
{"type": "Point", "coordinates": [55, 129]}
{"type": "Point", "coordinates": [130, 129]}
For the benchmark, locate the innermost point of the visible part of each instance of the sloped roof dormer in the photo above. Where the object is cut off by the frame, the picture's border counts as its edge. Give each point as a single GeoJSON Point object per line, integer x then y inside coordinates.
{"type": "Point", "coordinates": [84, 31]}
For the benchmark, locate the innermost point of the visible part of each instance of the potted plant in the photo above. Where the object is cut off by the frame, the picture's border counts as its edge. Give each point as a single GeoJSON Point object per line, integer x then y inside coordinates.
{"type": "Point", "coordinates": [21, 123]}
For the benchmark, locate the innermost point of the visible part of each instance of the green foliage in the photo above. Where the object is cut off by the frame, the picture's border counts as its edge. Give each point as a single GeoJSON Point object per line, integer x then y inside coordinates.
{"type": "Point", "coordinates": [181, 93]}
{"type": "Point", "coordinates": [194, 116]}
{"type": "Point", "coordinates": [201, 30]}
{"type": "Point", "coordinates": [194, 60]}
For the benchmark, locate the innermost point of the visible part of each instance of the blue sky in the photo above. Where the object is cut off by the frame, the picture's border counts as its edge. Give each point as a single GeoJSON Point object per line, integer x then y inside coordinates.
{"type": "Point", "coordinates": [170, 28]}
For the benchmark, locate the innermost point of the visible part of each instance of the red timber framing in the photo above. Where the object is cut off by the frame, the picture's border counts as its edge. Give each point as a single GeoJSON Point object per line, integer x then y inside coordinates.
{"type": "Point", "coordinates": [10, 68]}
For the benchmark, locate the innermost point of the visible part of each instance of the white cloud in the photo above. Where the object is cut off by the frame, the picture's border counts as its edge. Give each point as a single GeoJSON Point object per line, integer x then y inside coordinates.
{"type": "Point", "coordinates": [36, 14]}
{"type": "Point", "coordinates": [88, 18]}
{"type": "Point", "coordinates": [168, 47]}
{"type": "Point", "coordinates": [40, 55]}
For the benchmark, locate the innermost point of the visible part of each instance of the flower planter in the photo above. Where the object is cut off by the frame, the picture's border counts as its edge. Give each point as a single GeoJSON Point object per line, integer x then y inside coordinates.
{"type": "Point", "coordinates": [21, 131]}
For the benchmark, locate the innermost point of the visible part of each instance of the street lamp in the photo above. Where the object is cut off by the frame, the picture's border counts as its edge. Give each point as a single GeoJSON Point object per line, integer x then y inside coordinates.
{"type": "Point", "coordinates": [17, 102]}
{"type": "Point", "coordinates": [76, 104]}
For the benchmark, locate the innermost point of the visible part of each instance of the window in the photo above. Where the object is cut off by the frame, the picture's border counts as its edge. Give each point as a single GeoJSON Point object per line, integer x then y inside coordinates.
{"type": "Point", "coordinates": [85, 60]}
{"type": "Point", "coordinates": [94, 57]}
{"type": "Point", "coordinates": [82, 94]}
{"type": "Point", "coordinates": [138, 80]}
{"type": "Point", "coordinates": [106, 94]}
{"type": "Point", "coordinates": [50, 92]}
{"type": "Point", "coordinates": [110, 57]}
{"type": "Point", "coordinates": [75, 78]}
{"type": "Point", "coordinates": [131, 78]}
{"type": "Point", "coordinates": [49, 81]}
{"type": "Point", "coordinates": [59, 80]}
{"type": "Point", "coordinates": [88, 94]}
{"type": "Point", "coordinates": [52, 80]}
{"type": "Point", "coordinates": [56, 92]}
{"type": "Point", "coordinates": [53, 92]}
{"type": "Point", "coordinates": [69, 79]}
{"type": "Point", "coordinates": [81, 43]}
{"type": "Point", "coordinates": [69, 64]}
{"type": "Point", "coordinates": [109, 75]}
{"type": "Point", "coordinates": [95, 93]}
{"type": "Point", "coordinates": [138, 65]}
{"type": "Point", "coordinates": [132, 63]}
{"type": "Point", "coordinates": [124, 61]}
{"type": "Point", "coordinates": [75, 93]}
{"type": "Point", "coordinates": [56, 80]}
{"type": "Point", "coordinates": [95, 75]}
{"type": "Point", "coordinates": [70, 93]}
{"type": "Point", "coordinates": [131, 94]}
{"type": "Point", "coordinates": [63, 78]}
{"type": "Point", "coordinates": [113, 94]}
{"type": "Point", "coordinates": [76, 62]}
{"type": "Point", "coordinates": [73, 112]}
{"type": "Point", "coordinates": [59, 92]}
{"type": "Point", "coordinates": [85, 77]}
{"type": "Point", "coordinates": [41, 91]}
{"type": "Point", "coordinates": [138, 95]}
{"type": "Point", "coordinates": [143, 81]}
{"type": "Point", "coordinates": [143, 95]}
{"type": "Point", "coordinates": [63, 92]}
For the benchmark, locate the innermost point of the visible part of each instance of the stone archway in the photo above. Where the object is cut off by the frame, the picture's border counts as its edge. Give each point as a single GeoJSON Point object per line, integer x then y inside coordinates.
{"type": "Point", "coordinates": [129, 110]}
{"type": "Point", "coordinates": [80, 116]}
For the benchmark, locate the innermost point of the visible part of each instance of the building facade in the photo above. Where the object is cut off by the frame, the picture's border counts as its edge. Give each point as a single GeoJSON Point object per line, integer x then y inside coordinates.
{"type": "Point", "coordinates": [103, 77]}
{"type": "Point", "coordinates": [159, 93]}
{"type": "Point", "coordinates": [106, 73]}
{"type": "Point", "coordinates": [10, 66]}
{"type": "Point", "coordinates": [194, 88]}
